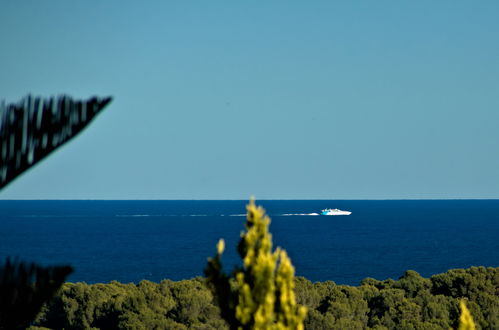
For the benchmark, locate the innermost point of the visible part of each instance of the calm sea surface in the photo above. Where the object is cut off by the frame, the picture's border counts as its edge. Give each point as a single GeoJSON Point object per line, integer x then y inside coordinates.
{"type": "Point", "coordinates": [133, 240]}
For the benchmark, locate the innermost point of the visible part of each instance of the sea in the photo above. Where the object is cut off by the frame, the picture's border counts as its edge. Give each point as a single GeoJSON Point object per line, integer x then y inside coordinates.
{"type": "Point", "coordinates": [130, 241]}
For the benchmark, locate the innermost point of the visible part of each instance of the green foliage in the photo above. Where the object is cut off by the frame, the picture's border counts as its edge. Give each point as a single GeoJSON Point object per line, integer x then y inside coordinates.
{"type": "Point", "coordinates": [261, 294]}
{"type": "Point", "coordinates": [412, 302]}
{"type": "Point", "coordinates": [147, 305]}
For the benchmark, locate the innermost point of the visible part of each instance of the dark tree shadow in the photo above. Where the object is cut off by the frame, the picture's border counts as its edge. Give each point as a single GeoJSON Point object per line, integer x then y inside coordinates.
{"type": "Point", "coordinates": [24, 288]}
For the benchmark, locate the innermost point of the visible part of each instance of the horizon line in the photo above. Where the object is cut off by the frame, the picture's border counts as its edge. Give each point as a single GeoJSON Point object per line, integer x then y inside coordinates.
{"type": "Point", "coordinates": [263, 199]}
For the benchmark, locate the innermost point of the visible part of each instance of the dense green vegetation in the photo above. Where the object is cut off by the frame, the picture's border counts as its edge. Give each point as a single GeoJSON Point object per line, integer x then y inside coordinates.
{"type": "Point", "coordinates": [412, 302]}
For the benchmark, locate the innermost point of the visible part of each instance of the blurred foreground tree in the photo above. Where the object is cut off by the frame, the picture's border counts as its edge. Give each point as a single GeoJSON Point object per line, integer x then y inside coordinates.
{"type": "Point", "coordinates": [33, 128]}
{"type": "Point", "coordinates": [260, 295]}
{"type": "Point", "coordinates": [24, 288]}
{"type": "Point", "coordinates": [29, 131]}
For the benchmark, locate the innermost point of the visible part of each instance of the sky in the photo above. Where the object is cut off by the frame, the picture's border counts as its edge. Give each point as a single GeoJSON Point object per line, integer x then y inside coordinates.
{"type": "Point", "coordinates": [272, 99]}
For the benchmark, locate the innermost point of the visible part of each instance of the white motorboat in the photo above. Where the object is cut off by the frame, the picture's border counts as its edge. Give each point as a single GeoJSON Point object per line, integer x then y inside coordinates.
{"type": "Point", "coordinates": [335, 212]}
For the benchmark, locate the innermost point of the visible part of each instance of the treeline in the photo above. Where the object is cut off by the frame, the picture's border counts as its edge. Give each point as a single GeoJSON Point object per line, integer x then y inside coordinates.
{"type": "Point", "coordinates": [412, 302]}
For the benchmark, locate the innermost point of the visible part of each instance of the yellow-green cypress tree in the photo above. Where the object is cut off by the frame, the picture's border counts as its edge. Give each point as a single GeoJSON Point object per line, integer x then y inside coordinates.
{"type": "Point", "coordinates": [260, 294]}
{"type": "Point", "coordinates": [465, 320]}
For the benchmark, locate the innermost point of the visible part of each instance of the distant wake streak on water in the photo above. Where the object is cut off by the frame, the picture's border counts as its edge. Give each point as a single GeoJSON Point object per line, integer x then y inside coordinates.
{"type": "Point", "coordinates": [157, 215]}
{"type": "Point", "coordinates": [299, 214]}
{"type": "Point", "coordinates": [208, 215]}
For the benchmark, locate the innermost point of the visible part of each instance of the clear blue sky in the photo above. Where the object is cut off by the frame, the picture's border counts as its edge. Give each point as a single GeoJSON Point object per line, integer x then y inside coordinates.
{"type": "Point", "coordinates": [277, 99]}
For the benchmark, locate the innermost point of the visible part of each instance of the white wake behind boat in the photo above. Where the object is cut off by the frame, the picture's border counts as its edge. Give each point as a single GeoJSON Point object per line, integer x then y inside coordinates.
{"type": "Point", "coordinates": [335, 212]}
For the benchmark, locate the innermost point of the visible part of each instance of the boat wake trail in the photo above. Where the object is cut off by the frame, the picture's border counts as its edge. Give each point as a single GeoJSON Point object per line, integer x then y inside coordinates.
{"type": "Point", "coordinates": [299, 214]}
{"type": "Point", "coordinates": [208, 215]}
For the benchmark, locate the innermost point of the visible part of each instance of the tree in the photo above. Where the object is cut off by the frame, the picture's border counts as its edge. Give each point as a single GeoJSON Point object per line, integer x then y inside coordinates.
{"type": "Point", "coordinates": [260, 294]}
{"type": "Point", "coordinates": [465, 320]}
{"type": "Point", "coordinates": [29, 131]}
{"type": "Point", "coordinates": [35, 127]}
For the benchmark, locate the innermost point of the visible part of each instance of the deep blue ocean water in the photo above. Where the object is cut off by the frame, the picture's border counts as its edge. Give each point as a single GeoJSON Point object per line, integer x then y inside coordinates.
{"type": "Point", "coordinates": [133, 240]}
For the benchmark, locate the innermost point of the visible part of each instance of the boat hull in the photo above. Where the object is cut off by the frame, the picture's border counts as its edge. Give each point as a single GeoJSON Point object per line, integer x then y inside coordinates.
{"type": "Point", "coordinates": [335, 212]}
